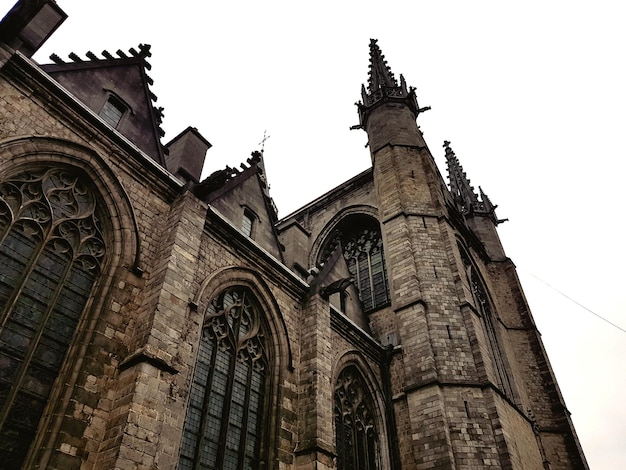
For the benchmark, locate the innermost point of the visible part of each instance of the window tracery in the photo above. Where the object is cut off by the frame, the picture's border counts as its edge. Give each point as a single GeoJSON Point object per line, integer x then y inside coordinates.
{"type": "Point", "coordinates": [51, 252]}
{"type": "Point", "coordinates": [362, 247]}
{"type": "Point", "coordinates": [225, 410]}
{"type": "Point", "coordinates": [363, 253]}
{"type": "Point", "coordinates": [356, 435]}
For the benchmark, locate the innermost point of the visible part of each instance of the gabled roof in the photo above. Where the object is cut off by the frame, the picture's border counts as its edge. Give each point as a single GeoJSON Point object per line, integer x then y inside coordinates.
{"type": "Point", "coordinates": [113, 71]}
{"type": "Point", "coordinates": [222, 181]}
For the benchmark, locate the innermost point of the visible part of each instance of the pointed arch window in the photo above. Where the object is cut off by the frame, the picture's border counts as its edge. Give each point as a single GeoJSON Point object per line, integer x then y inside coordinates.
{"type": "Point", "coordinates": [482, 304]}
{"type": "Point", "coordinates": [356, 436]}
{"type": "Point", "coordinates": [362, 246]}
{"type": "Point", "coordinates": [226, 406]}
{"type": "Point", "coordinates": [51, 253]}
{"type": "Point", "coordinates": [364, 256]}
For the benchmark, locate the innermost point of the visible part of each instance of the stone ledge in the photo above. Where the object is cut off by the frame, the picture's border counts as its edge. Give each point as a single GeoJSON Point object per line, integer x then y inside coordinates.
{"type": "Point", "coordinates": [143, 356]}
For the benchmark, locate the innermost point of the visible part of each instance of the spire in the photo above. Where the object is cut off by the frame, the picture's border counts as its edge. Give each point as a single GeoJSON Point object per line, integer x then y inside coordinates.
{"type": "Point", "coordinates": [380, 74]}
{"type": "Point", "coordinates": [460, 187]}
{"type": "Point", "coordinates": [383, 87]}
{"type": "Point", "coordinates": [466, 200]}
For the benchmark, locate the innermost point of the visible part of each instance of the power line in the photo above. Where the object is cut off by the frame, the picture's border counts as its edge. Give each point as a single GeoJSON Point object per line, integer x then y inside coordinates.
{"type": "Point", "coordinates": [579, 304]}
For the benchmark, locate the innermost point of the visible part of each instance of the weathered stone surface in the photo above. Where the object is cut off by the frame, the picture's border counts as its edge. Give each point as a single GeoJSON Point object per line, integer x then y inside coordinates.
{"type": "Point", "coordinates": [452, 364]}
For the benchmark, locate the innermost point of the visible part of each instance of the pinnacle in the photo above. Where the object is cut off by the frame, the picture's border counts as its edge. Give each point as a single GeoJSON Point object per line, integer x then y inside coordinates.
{"type": "Point", "coordinates": [460, 186]}
{"type": "Point", "coordinates": [379, 74]}
{"type": "Point", "coordinates": [383, 88]}
{"type": "Point", "coordinates": [466, 199]}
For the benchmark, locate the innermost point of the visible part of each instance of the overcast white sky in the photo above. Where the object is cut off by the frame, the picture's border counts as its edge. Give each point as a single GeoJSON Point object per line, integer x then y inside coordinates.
{"type": "Point", "coordinates": [531, 95]}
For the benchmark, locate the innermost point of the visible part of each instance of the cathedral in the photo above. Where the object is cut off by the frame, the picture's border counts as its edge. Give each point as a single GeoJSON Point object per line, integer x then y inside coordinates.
{"type": "Point", "coordinates": [151, 319]}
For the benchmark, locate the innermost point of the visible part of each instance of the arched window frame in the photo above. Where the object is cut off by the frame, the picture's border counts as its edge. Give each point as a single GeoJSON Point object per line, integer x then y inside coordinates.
{"type": "Point", "coordinates": [53, 203]}
{"type": "Point", "coordinates": [484, 306]}
{"type": "Point", "coordinates": [114, 109]}
{"type": "Point", "coordinates": [362, 247]}
{"type": "Point", "coordinates": [254, 347]}
{"type": "Point", "coordinates": [357, 422]}
{"type": "Point", "coordinates": [120, 228]}
{"type": "Point", "coordinates": [249, 221]}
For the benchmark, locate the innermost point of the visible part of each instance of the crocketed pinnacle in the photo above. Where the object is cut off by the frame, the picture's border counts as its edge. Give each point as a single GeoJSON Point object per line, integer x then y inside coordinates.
{"type": "Point", "coordinates": [383, 87]}
{"type": "Point", "coordinates": [379, 74]}
{"type": "Point", "coordinates": [466, 200]}
{"type": "Point", "coordinates": [460, 187]}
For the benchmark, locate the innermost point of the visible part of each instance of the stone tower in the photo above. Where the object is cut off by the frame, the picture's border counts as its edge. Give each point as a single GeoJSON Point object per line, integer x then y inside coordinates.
{"type": "Point", "coordinates": [470, 380]}
{"type": "Point", "coordinates": [150, 318]}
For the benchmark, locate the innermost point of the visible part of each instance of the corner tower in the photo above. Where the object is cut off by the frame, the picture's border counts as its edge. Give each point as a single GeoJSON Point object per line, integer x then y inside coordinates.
{"type": "Point", "coordinates": [471, 386]}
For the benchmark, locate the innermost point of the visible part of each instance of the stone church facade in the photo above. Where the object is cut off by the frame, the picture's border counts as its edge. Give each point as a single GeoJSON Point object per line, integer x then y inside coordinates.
{"type": "Point", "coordinates": [150, 320]}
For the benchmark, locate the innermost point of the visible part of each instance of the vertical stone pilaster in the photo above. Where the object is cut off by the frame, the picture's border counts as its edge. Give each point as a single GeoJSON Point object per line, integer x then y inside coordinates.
{"type": "Point", "coordinates": [145, 430]}
{"type": "Point", "coordinates": [315, 449]}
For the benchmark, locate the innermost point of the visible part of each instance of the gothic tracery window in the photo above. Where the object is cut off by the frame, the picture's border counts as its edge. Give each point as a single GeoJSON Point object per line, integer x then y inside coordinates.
{"type": "Point", "coordinates": [226, 401]}
{"type": "Point", "coordinates": [364, 255]}
{"type": "Point", "coordinates": [363, 251]}
{"type": "Point", "coordinates": [356, 435]}
{"type": "Point", "coordinates": [51, 252]}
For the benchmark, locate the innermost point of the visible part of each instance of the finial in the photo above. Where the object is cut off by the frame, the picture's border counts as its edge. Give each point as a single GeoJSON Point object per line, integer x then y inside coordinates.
{"type": "Point", "coordinates": [262, 143]}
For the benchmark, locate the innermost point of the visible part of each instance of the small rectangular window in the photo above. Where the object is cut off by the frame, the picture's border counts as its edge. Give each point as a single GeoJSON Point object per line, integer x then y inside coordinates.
{"type": "Point", "coordinates": [112, 111]}
{"type": "Point", "coordinates": [246, 224]}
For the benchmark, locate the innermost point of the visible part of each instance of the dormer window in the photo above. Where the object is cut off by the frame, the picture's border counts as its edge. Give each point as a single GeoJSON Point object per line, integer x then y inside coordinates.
{"type": "Point", "coordinates": [247, 222]}
{"type": "Point", "coordinates": [113, 110]}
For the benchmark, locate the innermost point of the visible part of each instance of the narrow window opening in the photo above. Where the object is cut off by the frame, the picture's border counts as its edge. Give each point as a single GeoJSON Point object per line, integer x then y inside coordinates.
{"type": "Point", "coordinates": [112, 111]}
{"type": "Point", "coordinates": [484, 310]}
{"type": "Point", "coordinates": [247, 223]}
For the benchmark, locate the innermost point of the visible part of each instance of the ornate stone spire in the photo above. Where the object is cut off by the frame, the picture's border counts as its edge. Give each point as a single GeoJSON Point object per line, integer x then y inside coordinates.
{"type": "Point", "coordinates": [466, 200]}
{"type": "Point", "coordinates": [380, 74]}
{"type": "Point", "coordinates": [383, 87]}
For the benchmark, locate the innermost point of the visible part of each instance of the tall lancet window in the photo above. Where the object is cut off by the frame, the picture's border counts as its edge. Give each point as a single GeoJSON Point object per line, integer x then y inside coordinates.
{"type": "Point", "coordinates": [363, 252]}
{"type": "Point", "coordinates": [51, 252]}
{"type": "Point", "coordinates": [484, 308]}
{"type": "Point", "coordinates": [356, 435]}
{"type": "Point", "coordinates": [226, 406]}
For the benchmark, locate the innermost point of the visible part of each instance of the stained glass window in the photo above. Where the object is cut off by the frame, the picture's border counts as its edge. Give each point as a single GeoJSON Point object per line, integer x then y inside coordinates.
{"type": "Point", "coordinates": [51, 250]}
{"type": "Point", "coordinates": [356, 435]}
{"type": "Point", "coordinates": [364, 255]}
{"type": "Point", "coordinates": [362, 245]}
{"type": "Point", "coordinates": [225, 410]}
